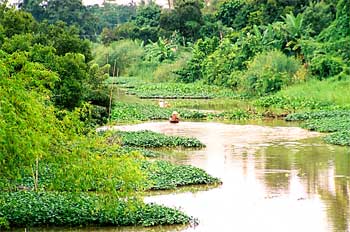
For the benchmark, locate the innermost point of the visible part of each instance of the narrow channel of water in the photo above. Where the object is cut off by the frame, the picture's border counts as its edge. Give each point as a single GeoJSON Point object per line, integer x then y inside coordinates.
{"type": "Point", "coordinates": [274, 179]}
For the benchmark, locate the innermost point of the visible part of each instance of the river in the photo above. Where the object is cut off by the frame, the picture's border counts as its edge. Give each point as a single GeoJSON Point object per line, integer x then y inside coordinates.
{"type": "Point", "coordinates": [274, 178]}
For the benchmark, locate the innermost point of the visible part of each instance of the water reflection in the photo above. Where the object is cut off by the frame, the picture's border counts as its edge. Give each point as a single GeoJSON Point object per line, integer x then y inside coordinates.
{"type": "Point", "coordinates": [275, 179]}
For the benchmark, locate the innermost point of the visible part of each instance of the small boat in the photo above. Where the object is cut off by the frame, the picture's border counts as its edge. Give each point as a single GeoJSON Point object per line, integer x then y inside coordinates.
{"type": "Point", "coordinates": [172, 120]}
{"type": "Point", "coordinates": [174, 117]}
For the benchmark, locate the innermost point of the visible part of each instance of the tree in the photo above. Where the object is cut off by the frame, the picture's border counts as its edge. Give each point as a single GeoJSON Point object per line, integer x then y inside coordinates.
{"type": "Point", "coordinates": [340, 27]}
{"type": "Point", "coordinates": [318, 16]}
{"type": "Point", "coordinates": [148, 15]}
{"type": "Point", "coordinates": [185, 18]}
{"type": "Point", "coordinates": [16, 21]}
{"type": "Point", "coordinates": [72, 12]}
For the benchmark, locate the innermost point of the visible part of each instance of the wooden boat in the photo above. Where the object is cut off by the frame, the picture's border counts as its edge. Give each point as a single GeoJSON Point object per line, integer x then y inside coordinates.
{"type": "Point", "coordinates": [174, 120]}
{"type": "Point", "coordinates": [174, 117]}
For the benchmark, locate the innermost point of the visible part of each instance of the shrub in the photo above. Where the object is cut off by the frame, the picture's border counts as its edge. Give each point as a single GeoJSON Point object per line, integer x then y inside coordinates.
{"type": "Point", "coordinates": [269, 72]}
{"type": "Point", "coordinates": [168, 71]}
{"type": "Point", "coordinates": [193, 70]}
{"type": "Point", "coordinates": [325, 66]}
{"type": "Point", "coordinates": [122, 54]}
{"type": "Point", "coordinates": [318, 16]}
{"type": "Point", "coordinates": [160, 51]}
{"type": "Point", "coordinates": [4, 223]}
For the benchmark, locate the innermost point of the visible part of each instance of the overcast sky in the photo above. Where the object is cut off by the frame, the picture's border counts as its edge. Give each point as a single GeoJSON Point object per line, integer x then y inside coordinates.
{"type": "Point", "coordinates": [125, 2]}
{"type": "Point", "coordinates": [92, 2]}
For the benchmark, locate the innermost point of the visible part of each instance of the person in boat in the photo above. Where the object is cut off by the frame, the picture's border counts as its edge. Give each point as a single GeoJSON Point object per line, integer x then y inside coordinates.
{"type": "Point", "coordinates": [163, 104]}
{"type": "Point", "coordinates": [175, 118]}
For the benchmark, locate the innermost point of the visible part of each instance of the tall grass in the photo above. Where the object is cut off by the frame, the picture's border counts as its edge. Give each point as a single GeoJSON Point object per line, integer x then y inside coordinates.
{"type": "Point", "coordinates": [331, 90]}
{"type": "Point", "coordinates": [143, 70]}
{"type": "Point", "coordinates": [269, 72]}
{"type": "Point", "coordinates": [121, 54]}
{"type": "Point", "coordinates": [155, 71]}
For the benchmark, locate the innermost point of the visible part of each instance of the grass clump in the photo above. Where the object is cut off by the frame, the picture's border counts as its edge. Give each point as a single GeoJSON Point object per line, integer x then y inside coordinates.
{"type": "Point", "coordinates": [148, 138]}
{"type": "Point", "coordinates": [25, 208]}
{"type": "Point", "coordinates": [329, 91]}
{"type": "Point", "coordinates": [165, 175]}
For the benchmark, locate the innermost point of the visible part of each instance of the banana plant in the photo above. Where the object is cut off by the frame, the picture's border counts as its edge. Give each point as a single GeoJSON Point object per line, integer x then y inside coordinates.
{"type": "Point", "coordinates": [160, 50]}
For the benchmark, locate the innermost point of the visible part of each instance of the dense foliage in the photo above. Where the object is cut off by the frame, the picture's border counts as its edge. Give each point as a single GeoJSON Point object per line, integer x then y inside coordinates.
{"type": "Point", "coordinates": [51, 97]}
{"type": "Point", "coordinates": [152, 139]}
{"type": "Point", "coordinates": [124, 112]}
{"type": "Point", "coordinates": [327, 121]}
{"type": "Point", "coordinates": [165, 175]}
{"type": "Point", "coordinates": [278, 55]}
{"type": "Point", "coordinates": [179, 90]}
{"type": "Point", "coordinates": [21, 209]}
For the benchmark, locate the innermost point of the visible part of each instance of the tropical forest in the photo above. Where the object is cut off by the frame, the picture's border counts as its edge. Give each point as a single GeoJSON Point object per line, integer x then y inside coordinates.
{"type": "Point", "coordinates": [177, 115]}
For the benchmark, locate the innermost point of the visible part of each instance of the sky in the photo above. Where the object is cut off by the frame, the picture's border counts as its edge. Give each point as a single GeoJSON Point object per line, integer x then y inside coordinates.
{"type": "Point", "coordinates": [92, 2]}
{"type": "Point", "coordinates": [125, 2]}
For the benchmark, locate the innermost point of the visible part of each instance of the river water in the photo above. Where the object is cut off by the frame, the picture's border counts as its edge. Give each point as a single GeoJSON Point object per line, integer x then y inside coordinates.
{"type": "Point", "coordinates": [274, 179]}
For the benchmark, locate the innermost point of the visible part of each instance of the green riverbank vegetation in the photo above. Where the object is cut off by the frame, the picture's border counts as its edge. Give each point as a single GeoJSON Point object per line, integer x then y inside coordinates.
{"type": "Point", "coordinates": [275, 58]}
{"type": "Point", "coordinates": [60, 62]}
{"type": "Point", "coordinates": [56, 170]}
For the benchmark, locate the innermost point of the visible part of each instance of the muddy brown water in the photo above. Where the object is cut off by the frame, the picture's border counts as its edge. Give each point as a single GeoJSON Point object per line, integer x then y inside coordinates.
{"type": "Point", "coordinates": [275, 178]}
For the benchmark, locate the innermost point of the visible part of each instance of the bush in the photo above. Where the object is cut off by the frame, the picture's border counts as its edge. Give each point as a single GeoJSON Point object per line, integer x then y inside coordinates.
{"type": "Point", "coordinates": [168, 71]}
{"type": "Point", "coordinates": [318, 16]}
{"type": "Point", "coordinates": [325, 66]}
{"type": "Point", "coordinates": [4, 223]}
{"type": "Point", "coordinates": [123, 54]}
{"type": "Point", "coordinates": [269, 72]}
